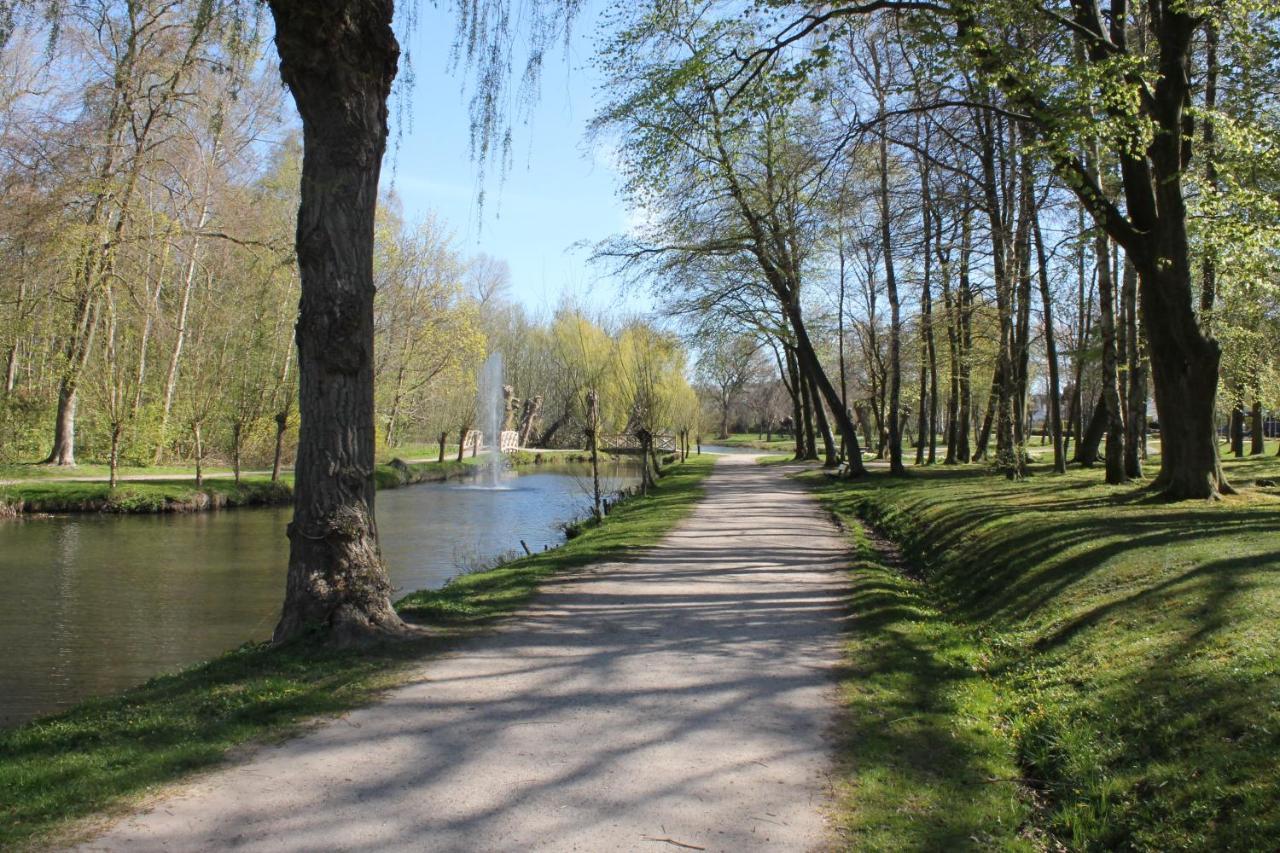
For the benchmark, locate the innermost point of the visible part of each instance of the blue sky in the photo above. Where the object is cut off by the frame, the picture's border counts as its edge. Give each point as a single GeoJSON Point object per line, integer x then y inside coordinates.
{"type": "Point", "coordinates": [558, 192]}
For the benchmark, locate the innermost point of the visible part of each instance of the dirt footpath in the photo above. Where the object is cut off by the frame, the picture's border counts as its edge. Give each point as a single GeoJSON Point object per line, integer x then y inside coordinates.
{"type": "Point", "coordinates": [680, 701]}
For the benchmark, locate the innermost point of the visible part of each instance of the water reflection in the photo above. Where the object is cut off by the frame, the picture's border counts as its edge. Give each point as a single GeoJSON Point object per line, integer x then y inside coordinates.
{"type": "Point", "coordinates": [95, 603]}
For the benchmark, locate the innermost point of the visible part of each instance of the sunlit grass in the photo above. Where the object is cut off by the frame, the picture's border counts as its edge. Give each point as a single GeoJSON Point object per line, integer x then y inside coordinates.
{"type": "Point", "coordinates": [1122, 651]}
{"type": "Point", "coordinates": [752, 440]}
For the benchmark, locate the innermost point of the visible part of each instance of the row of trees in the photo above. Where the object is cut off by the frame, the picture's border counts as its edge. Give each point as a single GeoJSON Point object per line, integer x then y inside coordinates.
{"type": "Point", "coordinates": [738, 131]}
{"type": "Point", "coordinates": [151, 285]}
{"type": "Point", "coordinates": [952, 220]}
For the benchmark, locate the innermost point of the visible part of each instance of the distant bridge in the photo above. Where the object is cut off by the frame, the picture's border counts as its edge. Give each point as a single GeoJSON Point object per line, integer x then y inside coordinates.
{"type": "Point", "coordinates": [622, 441]}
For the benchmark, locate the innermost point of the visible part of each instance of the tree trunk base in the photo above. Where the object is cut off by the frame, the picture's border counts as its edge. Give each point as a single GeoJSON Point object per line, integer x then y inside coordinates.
{"type": "Point", "coordinates": [1187, 487]}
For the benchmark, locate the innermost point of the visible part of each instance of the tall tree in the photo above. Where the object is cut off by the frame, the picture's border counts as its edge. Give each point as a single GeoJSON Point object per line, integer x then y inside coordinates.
{"type": "Point", "coordinates": [338, 59]}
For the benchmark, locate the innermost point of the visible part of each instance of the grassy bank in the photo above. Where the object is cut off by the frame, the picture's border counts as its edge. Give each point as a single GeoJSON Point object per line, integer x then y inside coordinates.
{"type": "Point", "coordinates": [106, 752]}
{"type": "Point", "coordinates": [1082, 664]}
{"type": "Point", "coordinates": [180, 494]}
{"type": "Point", "coordinates": [149, 496]}
{"type": "Point", "coordinates": [752, 440]}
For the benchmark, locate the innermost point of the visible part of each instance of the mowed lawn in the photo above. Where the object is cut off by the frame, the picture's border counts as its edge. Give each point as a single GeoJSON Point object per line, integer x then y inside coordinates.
{"type": "Point", "coordinates": [1081, 664]}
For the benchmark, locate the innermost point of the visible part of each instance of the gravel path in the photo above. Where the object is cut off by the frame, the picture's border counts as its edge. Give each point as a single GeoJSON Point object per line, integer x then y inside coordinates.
{"type": "Point", "coordinates": [680, 701]}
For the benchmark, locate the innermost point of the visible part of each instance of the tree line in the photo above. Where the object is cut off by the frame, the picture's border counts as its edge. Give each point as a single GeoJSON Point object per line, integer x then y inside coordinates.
{"type": "Point", "coordinates": [943, 147]}
{"type": "Point", "coordinates": [967, 221]}
{"type": "Point", "coordinates": [151, 281]}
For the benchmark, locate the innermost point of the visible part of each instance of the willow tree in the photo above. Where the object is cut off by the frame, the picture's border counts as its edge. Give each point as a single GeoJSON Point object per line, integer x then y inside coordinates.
{"type": "Point", "coordinates": [721, 177]}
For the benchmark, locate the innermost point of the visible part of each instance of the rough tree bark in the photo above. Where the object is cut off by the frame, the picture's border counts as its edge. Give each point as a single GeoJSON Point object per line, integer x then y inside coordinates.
{"type": "Point", "coordinates": [338, 58]}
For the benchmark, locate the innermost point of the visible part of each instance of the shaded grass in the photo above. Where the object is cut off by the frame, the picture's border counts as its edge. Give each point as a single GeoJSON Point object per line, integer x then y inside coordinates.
{"type": "Point", "coordinates": [104, 752]}
{"type": "Point", "coordinates": [1130, 645]}
{"type": "Point", "coordinates": [922, 763]}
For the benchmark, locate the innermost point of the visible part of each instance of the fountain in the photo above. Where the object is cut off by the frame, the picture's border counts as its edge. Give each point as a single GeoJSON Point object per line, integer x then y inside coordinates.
{"type": "Point", "coordinates": [490, 409]}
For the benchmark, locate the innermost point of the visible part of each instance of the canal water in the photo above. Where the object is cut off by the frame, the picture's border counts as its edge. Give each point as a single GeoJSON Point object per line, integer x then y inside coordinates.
{"type": "Point", "coordinates": [94, 604]}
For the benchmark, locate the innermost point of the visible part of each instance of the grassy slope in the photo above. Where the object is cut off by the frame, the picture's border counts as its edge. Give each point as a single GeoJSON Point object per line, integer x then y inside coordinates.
{"type": "Point", "coordinates": [106, 751]}
{"type": "Point", "coordinates": [38, 471]}
{"type": "Point", "coordinates": [1119, 654]}
{"type": "Point", "coordinates": [181, 495]}
{"type": "Point", "coordinates": [41, 493]}
{"type": "Point", "coordinates": [750, 439]}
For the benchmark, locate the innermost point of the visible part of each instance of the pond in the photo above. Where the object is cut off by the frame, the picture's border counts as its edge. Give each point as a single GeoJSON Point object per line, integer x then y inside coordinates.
{"type": "Point", "coordinates": [93, 604]}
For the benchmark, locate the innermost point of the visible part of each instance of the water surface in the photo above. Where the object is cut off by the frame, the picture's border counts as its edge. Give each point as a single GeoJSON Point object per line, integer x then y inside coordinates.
{"type": "Point", "coordinates": [93, 603]}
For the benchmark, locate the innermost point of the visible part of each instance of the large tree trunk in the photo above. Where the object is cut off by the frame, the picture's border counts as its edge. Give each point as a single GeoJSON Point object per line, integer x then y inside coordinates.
{"type": "Point", "coordinates": [338, 58]}
{"type": "Point", "coordinates": [1184, 369]}
{"type": "Point", "coordinates": [808, 360]}
{"type": "Point", "coordinates": [806, 409]}
{"type": "Point", "coordinates": [282, 424]}
{"type": "Point", "coordinates": [791, 381]}
{"type": "Point", "coordinates": [64, 428]}
{"type": "Point", "coordinates": [1235, 427]}
{"type": "Point", "coordinates": [79, 346]}
{"type": "Point", "coordinates": [988, 419]}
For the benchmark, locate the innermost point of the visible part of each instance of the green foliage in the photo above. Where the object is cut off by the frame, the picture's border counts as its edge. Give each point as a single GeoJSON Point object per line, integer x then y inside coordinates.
{"type": "Point", "coordinates": [24, 426]}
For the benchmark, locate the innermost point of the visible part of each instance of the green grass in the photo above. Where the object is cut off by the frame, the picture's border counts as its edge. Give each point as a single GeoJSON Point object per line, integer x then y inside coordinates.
{"type": "Point", "coordinates": [181, 495]}
{"type": "Point", "coordinates": [775, 460]}
{"type": "Point", "coordinates": [922, 763]}
{"type": "Point", "coordinates": [34, 471]}
{"type": "Point", "coordinates": [1118, 653]}
{"type": "Point", "coordinates": [751, 439]}
{"type": "Point", "coordinates": [143, 496]}
{"type": "Point", "coordinates": [104, 753]}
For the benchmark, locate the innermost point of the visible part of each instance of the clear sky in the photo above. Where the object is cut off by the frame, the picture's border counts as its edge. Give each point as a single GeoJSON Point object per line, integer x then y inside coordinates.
{"type": "Point", "coordinates": [557, 193]}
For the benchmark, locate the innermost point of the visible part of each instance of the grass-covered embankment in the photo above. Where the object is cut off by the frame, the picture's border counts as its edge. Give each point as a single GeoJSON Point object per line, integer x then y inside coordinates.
{"type": "Point", "coordinates": [1082, 664]}
{"type": "Point", "coordinates": [181, 494]}
{"type": "Point", "coordinates": [753, 441]}
{"type": "Point", "coordinates": [140, 496]}
{"type": "Point", "coordinates": [105, 752]}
